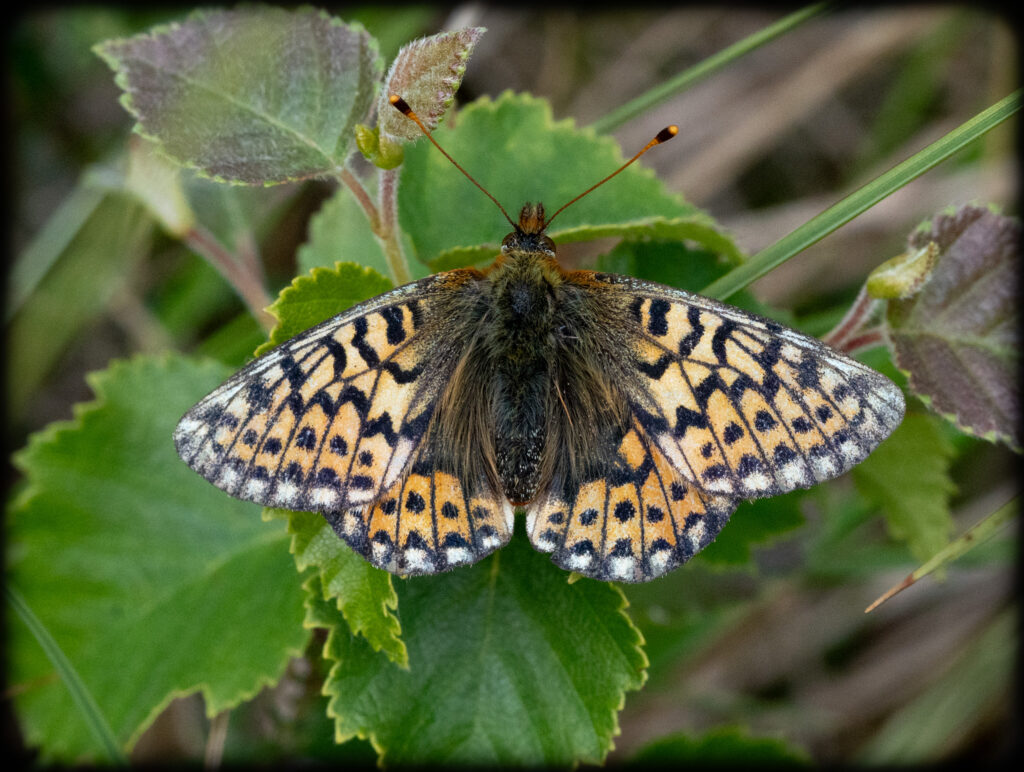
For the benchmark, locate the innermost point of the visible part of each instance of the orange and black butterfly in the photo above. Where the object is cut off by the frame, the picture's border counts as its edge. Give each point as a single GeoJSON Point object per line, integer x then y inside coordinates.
{"type": "Point", "coordinates": [626, 417]}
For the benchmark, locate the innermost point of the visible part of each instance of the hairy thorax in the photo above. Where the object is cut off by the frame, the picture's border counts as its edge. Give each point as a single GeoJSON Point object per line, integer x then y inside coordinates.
{"type": "Point", "coordinates": [533, 388]}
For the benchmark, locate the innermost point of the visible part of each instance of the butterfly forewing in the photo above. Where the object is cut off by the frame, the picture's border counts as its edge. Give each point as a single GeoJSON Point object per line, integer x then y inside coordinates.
{"type": "Point", "coordinates": [743, 407]}
{"type": "Point", "coordinates": [330, 419]}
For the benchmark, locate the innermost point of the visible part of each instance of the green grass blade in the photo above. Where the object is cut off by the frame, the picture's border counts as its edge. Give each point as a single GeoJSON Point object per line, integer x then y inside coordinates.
{"type": "Point", "coordinates": [49, 244]}
{"type": "Point", "coordinates": [712, 64]}
{"type": "Point", "coordinates": [83, 698]}
{"type": "Point", "coordinates": [976, 535]}
{"type": "Point", "coordinates": [860, 200]}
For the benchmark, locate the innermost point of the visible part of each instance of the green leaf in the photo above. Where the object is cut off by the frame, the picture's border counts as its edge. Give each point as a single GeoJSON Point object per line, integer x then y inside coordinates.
{"type": "Point", "coordinates": [363, 593]}
{"type": "Point", "coordinates": [518, 152]}
{"type": "Point", "coordinates": [234, 214]}
{"type": "Point", "coordinates": [92, 266]}
{"type": "Point", "coordinates": [509, 664]}
{"type": "Point", "coordinates": [722, 745]}
{"type": "Point", "coordinates": [958, 338]}
{"type": "Point", "coordinates": [154, 583]}
{"type": "Point", "coordinates": [340, 231]}
{"type": "Point", "coordinates": [320, 295]}
{"type": "Point", "coordinates": [158, 185]}
{"type": "Point", "coordinates": [907, 477]}
{"type": "Point", "coordinates": [260, 95]}
{"type": "Point", "coordinates": [84, 701]}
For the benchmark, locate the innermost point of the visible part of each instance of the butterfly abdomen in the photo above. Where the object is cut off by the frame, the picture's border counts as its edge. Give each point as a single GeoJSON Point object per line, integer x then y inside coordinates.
{"type": "Point", "coordinates": [520, 350]}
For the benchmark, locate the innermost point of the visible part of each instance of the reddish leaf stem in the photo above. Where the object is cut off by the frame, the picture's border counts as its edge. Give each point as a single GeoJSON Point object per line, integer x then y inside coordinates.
{"type": "Point", "coordinates": [350, 181]}
{"type": "Point", "coordinates": [246, 282]}
{"type": "Point", "coordinates": [387, 197]}
{"type": "Point", "coordinates": [865, 340]}
{"type": "Point", "coordinates": [861, 310]}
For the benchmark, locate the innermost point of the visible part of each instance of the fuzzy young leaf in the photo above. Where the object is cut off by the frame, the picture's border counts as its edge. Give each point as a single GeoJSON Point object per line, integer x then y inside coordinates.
{"type": "Point", "coordinates": [958, 338]}
{"type": "Point", "coordinates": [508, 664]}
{"type": "Point", "coordinates": [518, 152]}
{"type": "Point", "coordinates": [256, 96]}
{"type": "Point", "coordinates": [907, 476]}
{"type": "Point", "coordinates": [426, 74]}
{"type": "Point", "coordinates": [154, 583]}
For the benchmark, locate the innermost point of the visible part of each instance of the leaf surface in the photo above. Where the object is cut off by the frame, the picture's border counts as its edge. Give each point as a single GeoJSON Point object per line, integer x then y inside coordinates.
{"type": "Point", "coordinates": [907, 476]}
{"type": "Point", "coordinates": [257, 96]}
{"type": "Point", "coordinates": [426, 73]}
{"type": "Point", "coordinates": [509, 663]}
{"type": "Point", "coordinates": [153, 582]}
{"type": "Point", "coordinates": [959, 337]}
{"type": "Point", "coordinates": [517, 151]}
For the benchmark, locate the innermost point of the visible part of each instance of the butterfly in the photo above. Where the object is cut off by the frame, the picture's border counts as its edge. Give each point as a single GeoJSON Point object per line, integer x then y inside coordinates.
{"type": "Point", "coordinates": [627, 418]}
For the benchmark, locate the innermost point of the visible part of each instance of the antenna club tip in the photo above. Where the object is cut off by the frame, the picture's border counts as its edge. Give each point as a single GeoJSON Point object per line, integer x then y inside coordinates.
{"type": "Point", "coordinates": [400, 104]}
{"type": "Point", "coordinates": [667, 133]}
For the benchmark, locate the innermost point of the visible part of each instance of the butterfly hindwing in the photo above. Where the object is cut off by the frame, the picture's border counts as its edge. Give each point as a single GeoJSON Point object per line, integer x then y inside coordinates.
{"type": "Point", "coordinates": [331, 419]}
{"type": "Point", "coordinates": [428, 521]}
{"type": "Point", "coordinates": [632, 520]}
{"type": "Point", "coordinates": [742, 406]}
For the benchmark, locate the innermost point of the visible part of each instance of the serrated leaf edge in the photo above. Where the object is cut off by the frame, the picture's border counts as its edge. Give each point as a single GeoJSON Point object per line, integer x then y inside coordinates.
{"type": "Point", "coordinates": [388, 606]}
{"type": "Point", "coordinates": [994, 436]}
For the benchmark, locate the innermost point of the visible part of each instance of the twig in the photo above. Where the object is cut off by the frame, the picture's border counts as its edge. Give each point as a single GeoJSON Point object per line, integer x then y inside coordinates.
{"type": "Point", "coordinates": [214, 753]}
{"type": "Point", "coordinates": [387, 194]}
{"type": "Point", "coordinates": [350, 181]}
{"type": "Point", "coordinates": [860, 311]}
{"type": "Point", "coordinates": [954, 549]}
{"type": "Point", "coordinates": [247, 284]}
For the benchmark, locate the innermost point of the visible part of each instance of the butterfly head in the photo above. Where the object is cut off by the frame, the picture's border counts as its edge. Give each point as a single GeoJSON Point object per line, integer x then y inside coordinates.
{"type": "Point", "coordinates": [529, 235]}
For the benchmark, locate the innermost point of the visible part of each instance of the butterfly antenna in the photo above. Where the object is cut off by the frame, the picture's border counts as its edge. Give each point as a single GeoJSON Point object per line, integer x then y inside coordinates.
{"type": "Point", "coordinates": [662, 136]}
{"type": "Point", "coordinates": [403, 107]}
